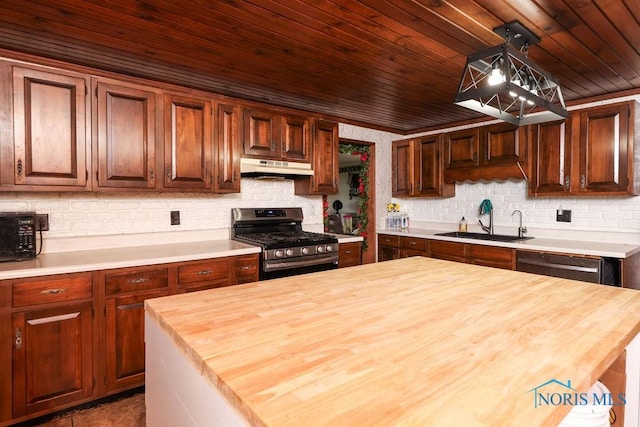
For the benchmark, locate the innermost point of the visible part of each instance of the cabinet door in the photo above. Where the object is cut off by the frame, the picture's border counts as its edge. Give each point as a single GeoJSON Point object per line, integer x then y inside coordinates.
{"type": "Point", "coordinates": [125, 136]}
{"type": "Point", "coordinates": [605, 150]}
{"type": "Point", "coordinates": [325, 158]}
{"type": "Point", "coordinates": [492, 256]}
{"type": "Point", "coordinates": [462, 149]}
{"type": "Point", "coordinates": [50, 128]}
{"type": "Point", "coordinates": [429, 174]}
{"type": "Point", "coordinates": [125, 340]}
{"type": "Point", "coordinates": [261, 134]}
{"type": "Point", "coordinates": [295, 138]}
{"type": "Point", "coordinates": [402, 168]}
{"type": "Point", "coordinates": [52, 357]}
{"type": "Point", "coordinates": [503, 144]}
{"type": "Point", "coordinates": [227, 147]}
{"type": "Point", "coordinates": [187, 148]}
{"type": "Point", "coordinates": [550, 159]}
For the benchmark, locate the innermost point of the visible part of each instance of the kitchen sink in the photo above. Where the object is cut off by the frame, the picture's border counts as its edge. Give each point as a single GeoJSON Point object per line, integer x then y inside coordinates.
{"type": "Point", "coordinates": [484, 236]}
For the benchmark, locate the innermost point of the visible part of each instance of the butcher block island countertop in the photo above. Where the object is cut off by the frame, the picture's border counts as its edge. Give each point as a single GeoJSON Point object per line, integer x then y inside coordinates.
{"type": "Point", "coordinates": [415, 341]}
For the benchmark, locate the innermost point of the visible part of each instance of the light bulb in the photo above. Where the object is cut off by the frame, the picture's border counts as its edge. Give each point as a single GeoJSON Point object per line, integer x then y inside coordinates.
{"type": "Point", "coordinates": [496, 77]}
{"type": "Point", "coordinates": [516, 82]}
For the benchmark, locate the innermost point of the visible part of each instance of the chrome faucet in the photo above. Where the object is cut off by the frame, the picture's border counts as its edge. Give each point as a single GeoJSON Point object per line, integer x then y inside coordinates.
{"type": "Point", "coordinates": [486, 208]}
{"type": "Point", "coordinates": [521, 229]}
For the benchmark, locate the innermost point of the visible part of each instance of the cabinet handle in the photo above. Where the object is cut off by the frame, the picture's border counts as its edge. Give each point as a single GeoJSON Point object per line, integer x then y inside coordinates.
{"type": "Point", "coordinates": [18, 339]}
{"type": "Point", "coordinates": [204, 272]}
{"type": "Point", "coordinates": [19, 168]}
{"type": "Point", "coordinates": [247, 267]}
{"type": "Point", "coordinates": [235, 176]}
{"type": "Point", "coordinates": [566, 182]}
{"type": "Point", "coordinates": [168, 173]}
{"type": "Point", "coordinates": [412, 243]}
{"type": "Point", "coordinates": [347, 252]}
{"type": "Point", "coordinates": [583, 181]}
{"type": "Point", "coordinates": [273, 145]}
{"type": "Point", "coordinates": [138, 281]}
{"type": "Point", "coordinates": [474, 157]}
{"type": "Point", "coordinates": [151, 174]}
{"type": "Point", "coordinates": [55, 291]}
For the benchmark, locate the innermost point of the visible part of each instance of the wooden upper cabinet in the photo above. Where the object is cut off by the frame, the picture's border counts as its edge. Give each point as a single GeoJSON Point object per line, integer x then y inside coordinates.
{"type": "Point", "coordinates": [272, 135]}
{"type": "Point", "coordinates": [591, 154]}
{"type": "Point", "coordinates": [493, 152]}
{"type": "Point", "coordinates": [261, 133]}
{"type": "Point", "coordinates": [227, 148]}
{"type": "Point", "coordinates": [188, 151]}
{"type": "Point", "coordinates": [417, 168]}
{"type": "Point", "coordinates": [126, 135]}
{"type": "Point", "coordinates": [462, 148]}
{"type": "Point", "coordinates": [402, 168]}
{"type": "Point", "coordinates": [503, 144]}
{"type": "Point", "coordinates": [550, 159]}
{"type": "Point", "coordinates": [295, 138]}
{"type": "Point", "coordinates": [50, 125]}
{"type": "Point", "coordinates": [325, 161]}
{"type": "Point", "coordinates": [606, 149]}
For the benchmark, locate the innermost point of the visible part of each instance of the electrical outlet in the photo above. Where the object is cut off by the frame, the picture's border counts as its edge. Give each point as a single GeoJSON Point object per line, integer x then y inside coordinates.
{"type": "Point", "coordinates": [42, 222]}
{"type": "Point", "coordinates": [175, 217]}
{"type": "Point", "coordinates": [563, 215]}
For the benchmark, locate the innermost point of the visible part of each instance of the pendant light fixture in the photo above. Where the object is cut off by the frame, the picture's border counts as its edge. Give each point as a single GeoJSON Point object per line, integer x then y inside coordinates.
{"type": "Point", "coordinates": [503, 83]}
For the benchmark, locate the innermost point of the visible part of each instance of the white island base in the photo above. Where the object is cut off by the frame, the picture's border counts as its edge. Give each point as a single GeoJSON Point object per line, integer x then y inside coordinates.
{"type": "Point", "coordinates": [176, 394]}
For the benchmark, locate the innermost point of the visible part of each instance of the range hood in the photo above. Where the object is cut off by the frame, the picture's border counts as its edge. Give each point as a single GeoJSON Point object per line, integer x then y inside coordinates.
{"type": "Point", "coordinates": [262, 168]}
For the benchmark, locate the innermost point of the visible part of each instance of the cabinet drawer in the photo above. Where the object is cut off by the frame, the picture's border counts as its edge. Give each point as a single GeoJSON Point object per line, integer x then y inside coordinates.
{"type": "Point", "coordinates": [136, 280]}
{"type": "Point", "coordinates": [388, 240]}
{"type": "Point", "coordinates": [54, 289]}
{"type": "Point", "coordinates": [203, 271]}
{"type": "Point", "coordinates": [349, 254]}
{"type": "Point", "coordinates": [492, 256]}
{"type": "Point", "coordinates": [413, 243]}
{"type": "Point", "coordinates": [247, 269]}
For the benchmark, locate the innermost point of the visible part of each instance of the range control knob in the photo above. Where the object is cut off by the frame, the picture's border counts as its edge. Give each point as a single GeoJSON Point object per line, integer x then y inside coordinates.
{"type": "Point", "coordinates": [289, 252]}
{"type": "Point", "coordinates": [329, 248]}
{"type": "Point", "coordinates": [320, 249]}
{"type": "Point", "coordinates": [278, 253]}
{"type": "Point", "coordinates": [305, 251]}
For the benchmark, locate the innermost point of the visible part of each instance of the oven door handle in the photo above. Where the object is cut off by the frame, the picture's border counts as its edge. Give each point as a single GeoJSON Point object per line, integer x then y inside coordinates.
{"type": "Point", "coordinates": [281, 265]}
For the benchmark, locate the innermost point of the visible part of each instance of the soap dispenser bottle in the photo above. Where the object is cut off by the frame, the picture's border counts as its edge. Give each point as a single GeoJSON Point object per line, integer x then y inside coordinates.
{"type": "Point", "coordinates": [462, 225]}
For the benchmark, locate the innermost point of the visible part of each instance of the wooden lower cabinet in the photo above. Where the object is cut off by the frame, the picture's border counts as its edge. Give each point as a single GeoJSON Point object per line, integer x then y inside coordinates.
{"type": "Point", "coordinates": [73, 338]}
{"type": "Point", "coordinates": [350, 254]}
{"type": "Point", "coordinates": [393, 247]}
{"type": "Point", "coordinates": [126, 289]}
{"type": "Point", "coordinates": [53, 341]}
{"type": "Point", "coordinates": [388, 247]}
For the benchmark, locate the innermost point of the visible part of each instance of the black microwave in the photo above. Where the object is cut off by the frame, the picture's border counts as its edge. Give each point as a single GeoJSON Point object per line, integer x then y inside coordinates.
{"type": "Point", "coordinates": [17, 236]}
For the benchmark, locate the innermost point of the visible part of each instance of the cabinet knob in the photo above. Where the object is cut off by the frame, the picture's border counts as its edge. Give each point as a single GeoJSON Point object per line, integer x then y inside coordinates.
{"type": "Point", "coordinates": [19, 168]}
{"type": "Point", "coordinates": [566, 182]}
{"type": "Point", "coordinates": [151, 175]}
{"type": "Point", "coordinates": [18, 339]}
{"type": "Point", "coordinates": [583, 181]}
{"type": "Point", "coordinates": [168, 173]}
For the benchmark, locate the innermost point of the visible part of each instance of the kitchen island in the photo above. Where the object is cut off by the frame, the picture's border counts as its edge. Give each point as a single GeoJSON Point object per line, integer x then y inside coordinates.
{"type": "Point", "coordinates": [415, 341]}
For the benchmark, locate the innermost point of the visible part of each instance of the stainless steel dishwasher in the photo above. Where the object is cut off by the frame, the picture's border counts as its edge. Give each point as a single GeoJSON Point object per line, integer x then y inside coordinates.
{"type": "Point", "coordinates": [595, 270]}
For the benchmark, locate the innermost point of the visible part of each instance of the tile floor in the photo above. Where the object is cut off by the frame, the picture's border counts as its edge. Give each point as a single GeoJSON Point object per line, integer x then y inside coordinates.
{"type": "Point", "coordinates": [126, 412]}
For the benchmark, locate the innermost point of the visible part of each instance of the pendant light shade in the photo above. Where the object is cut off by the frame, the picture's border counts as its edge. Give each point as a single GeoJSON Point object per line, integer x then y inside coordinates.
{"type": "Point", "coordinates": [503, 83]}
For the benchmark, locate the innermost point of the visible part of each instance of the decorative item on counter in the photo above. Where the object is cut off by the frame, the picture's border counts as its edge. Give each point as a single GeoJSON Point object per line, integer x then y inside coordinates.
{"type": "Point", "coordinates": [462, 225]}
{"type": "Point", "coordinates": [395, 218]}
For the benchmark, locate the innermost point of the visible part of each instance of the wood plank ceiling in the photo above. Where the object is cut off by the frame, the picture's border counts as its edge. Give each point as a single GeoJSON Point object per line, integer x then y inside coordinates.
{"type": "Point", "coordinates": [392, 65]}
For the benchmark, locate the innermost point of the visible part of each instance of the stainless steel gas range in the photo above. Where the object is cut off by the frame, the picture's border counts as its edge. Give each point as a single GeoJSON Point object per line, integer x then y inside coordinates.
{"type": "Point", "coordinates": [287, 250]}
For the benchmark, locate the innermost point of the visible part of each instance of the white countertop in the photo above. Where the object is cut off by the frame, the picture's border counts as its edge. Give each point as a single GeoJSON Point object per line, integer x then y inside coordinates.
{"type": "Point", "coordinates": [101, 259]}
{"type": "Point", "coordinates": [76, 261]}
{"type": "Point", "coordinates": [577, 247]}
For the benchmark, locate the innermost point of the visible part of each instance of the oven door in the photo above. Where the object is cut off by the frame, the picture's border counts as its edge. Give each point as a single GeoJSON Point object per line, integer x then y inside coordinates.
{"type": "Point", "coordinates": [274, 269]}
